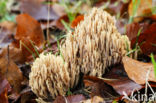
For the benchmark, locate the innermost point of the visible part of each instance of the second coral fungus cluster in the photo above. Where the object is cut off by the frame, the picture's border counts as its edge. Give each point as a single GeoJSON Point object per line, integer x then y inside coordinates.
{"type": "Point", "coordinates": [95, 45]}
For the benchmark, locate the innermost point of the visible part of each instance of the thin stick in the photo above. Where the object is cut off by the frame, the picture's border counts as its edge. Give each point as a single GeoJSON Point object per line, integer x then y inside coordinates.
{"type": "Point", "coordinates": [48, 21]}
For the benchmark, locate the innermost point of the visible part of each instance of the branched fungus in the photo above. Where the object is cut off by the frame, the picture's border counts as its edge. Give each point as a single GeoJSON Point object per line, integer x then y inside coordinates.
{"type": "Point", "coordinates": [91, 48]}
{"type": "Point", "coordinates": [49, 76]}
{"type": "Point", "coordinates": [95, 44]}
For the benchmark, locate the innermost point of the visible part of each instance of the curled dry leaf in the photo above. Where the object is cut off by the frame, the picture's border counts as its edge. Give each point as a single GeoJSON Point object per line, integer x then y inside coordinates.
{"type": "Point", "coordinates": [138, 71]}
{"type": "Point", "coordinates": [12, 73]}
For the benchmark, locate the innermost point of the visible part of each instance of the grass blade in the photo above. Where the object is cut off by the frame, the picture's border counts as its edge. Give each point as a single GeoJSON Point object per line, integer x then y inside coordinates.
{"type": "Point", "coordinates": [154, 64]}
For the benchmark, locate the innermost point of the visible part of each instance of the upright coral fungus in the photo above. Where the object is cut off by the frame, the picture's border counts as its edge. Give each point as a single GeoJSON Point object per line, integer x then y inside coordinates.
{"type": "Point", "coordinates": [95, 45]}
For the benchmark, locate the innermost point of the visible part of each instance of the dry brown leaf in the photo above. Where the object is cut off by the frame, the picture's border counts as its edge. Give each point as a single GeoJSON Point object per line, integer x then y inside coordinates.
{"type": "Point", "coordinates": [144, 9]}
{"type": "Point", "coordinates": [133, 29]}
{"type": "Point", "coordinates": [7, 31]}
{"type": "Point", "coordinates": [146, 39]}
{"type": "Point", "coordinates": [4, 88]}
{"type": "Point", "coordinates": [12, 73]}
{"type": "Point", "coordinates": [137, 71]}
{"type": "Point", "coordinates": [70, 99]}
{"type": "Point", "coordinates": [14, 53]}
{"type": "Point", "coordinates": [28, 29]}
{"type": "Point", "coordinates": [11, 26]}
{"type": "Point", "coordinates": [76, 21]}
{"type": "Point", "coordinates": [59, 23]}
{"type": "Point", "coordinates": [99, 87]}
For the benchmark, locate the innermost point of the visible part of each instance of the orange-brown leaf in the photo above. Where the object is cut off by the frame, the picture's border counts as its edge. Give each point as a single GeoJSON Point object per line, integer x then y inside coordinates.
{"type": "Point", "coordinates": [137, 71]}
{"type": "Point", "coordinates": [77, 20]}
{"type": "Point", "coordinates": [12, 73]}
{"type": "Point", "coordinates": [4, 88]}
{"type": "Point", "coordinates": [28, 29]}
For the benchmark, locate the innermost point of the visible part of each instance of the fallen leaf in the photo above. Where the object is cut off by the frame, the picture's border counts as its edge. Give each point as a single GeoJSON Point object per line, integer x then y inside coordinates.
{"type": "Point", "coordinates": [7, 31]}
{"type": "Point", "coordinates": [28, 29]}
{"type": "Point", "coordinates": [6, 37]}
{"type": "Point", "coordinates": [70, 99]}
{"type": "Point", "coordinates": [37, 10]}
{"type": "Point", "coordinates": [153, 17]}
{"type": "Point", "coordinates": [10, 26]}
{"type": "Point", "coordinates": [144, 9]}
{"type": "Point", "coordinates": [137, 71]}
{"type": "Point", "coordinates": [99, 87]}
{"type": "Point", "coordinates": [118, 79]}
{"type": "Point", "coordinates": [133, 29]}
{"type": "Point", "coordinates": [146, 39]}
{"type": "Point", "coordinates": [3, 96]}
{"type": "Point", "coordinates": [27, 96]}
{"type": "Point", "coordinates": [14, 54]}
{"type": "Point", "coordinates": [59, 22]}
{"type": "Point", "coordinates": [12, 73]}
{"type": "Point", "coordinates": [4, 88]}
{"type": "Point", "coordinates": [124, 85]}
{"type": "Point", "coordinates": [77, 20]}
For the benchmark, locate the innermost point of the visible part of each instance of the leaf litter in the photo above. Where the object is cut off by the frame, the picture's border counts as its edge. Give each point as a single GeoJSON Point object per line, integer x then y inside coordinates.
{"type": "Point", "coordinates": [23, 40]}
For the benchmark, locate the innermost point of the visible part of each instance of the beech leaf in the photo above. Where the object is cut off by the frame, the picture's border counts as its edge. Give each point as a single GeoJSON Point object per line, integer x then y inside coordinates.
{"type": "Point", "coordinates": [137, 71]}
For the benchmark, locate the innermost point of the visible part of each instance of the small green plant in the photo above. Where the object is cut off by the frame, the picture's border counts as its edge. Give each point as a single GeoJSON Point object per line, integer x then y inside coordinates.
{"type": "Point", "coordinates": [69, 92]}
{"type": "Point", "coordinates": [4, 13]}
{"type": "Point", "coordinates": [72, 9]}
{"type": "Point", "coordinates": [154, 64]}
